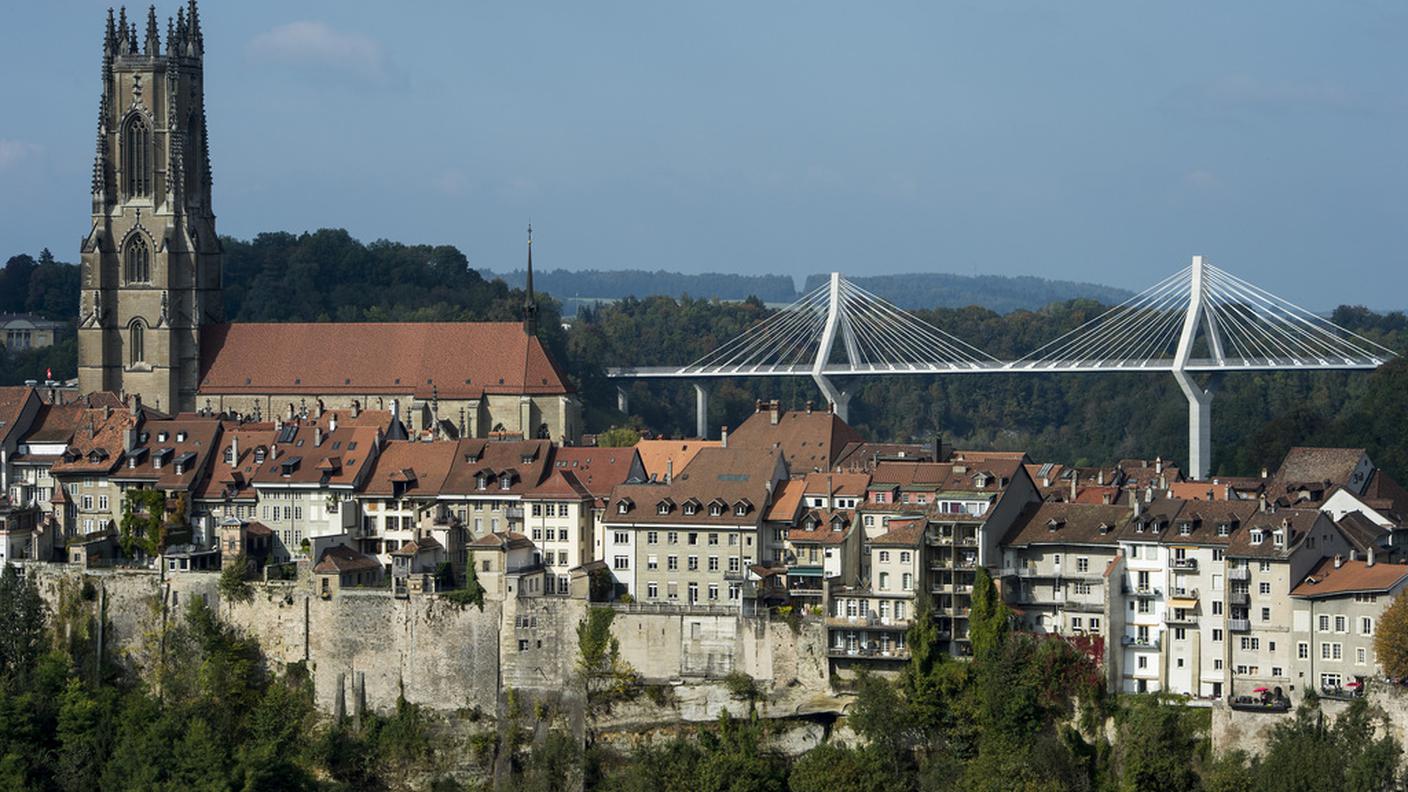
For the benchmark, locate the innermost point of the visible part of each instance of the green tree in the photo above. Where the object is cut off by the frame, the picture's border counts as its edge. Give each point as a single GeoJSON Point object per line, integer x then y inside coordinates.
{"type": "Point", "coordinates": [1391, 639]}
{"type": "Point", "coordinates": [1156, 749]}
{"type": "Point", "coordinates": [618, 437]}
{"type": "Point", "coordinates": [22, 614]}
{"type": "Point", "coordinates": [234, 580]}
{"type": "Point", "coordinates": [82, 737]}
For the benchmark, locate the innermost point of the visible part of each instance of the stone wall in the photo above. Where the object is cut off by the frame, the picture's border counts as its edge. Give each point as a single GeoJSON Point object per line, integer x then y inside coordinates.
{"type": "Point", "coordinates": [1251, 731]}
{"type": "Point", "coordinates": [366, 647]}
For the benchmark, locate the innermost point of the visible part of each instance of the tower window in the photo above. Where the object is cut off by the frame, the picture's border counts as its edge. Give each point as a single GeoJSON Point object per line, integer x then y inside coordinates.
{"type": "Point", "coordinates": [138, 266]}
{"type": "Point", "coordinates": [137, 157]}
{"type": "Point", "coordinates": [138, 351]}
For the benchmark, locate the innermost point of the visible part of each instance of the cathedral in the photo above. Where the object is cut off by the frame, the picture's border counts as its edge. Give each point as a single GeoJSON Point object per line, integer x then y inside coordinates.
{"type": "Point", "coordinates": [152, 320]}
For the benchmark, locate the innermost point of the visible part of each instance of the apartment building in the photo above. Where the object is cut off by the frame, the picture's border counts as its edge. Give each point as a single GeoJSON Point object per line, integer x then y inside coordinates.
{"type": "Point", "coordinates": [487, 480]}
{"type": "Point", "coordinates": [560, 524]}
{"type": "Point", "coordinates": [866, 622]}
{"type": "Point", "coordinates": [31, 478]}
{"type": "Point", "coordinates": [693, 538]}
{"type": "Point", "coordinates": [1055, 560]}
{"type": "Point", "coordinates": [401, 493]}
{"type": "Point", "coordinates": [1336, 614]}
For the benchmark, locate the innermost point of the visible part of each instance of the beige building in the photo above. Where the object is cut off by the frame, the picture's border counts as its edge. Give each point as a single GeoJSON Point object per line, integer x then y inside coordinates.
{"type": "Point", "coordinates": [693, 539]}
{"type": "Point", "coordinates": [1336, 616]}
{"type": "Point", "coordinates": [20, 332]}
{"type": "Point", "coordinates": [1055, 563]}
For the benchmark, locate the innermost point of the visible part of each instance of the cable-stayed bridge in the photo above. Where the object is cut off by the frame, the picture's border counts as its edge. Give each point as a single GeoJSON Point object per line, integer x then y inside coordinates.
{"type": "Point", "coordinates": [1201, 319]}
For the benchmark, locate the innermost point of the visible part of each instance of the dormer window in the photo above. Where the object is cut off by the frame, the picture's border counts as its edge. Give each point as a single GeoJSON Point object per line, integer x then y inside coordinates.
{"type": "Point", "coordinates": [1185, 528]}
{"type": "Point", "coordinates": [230, 455]}
{"type": "Point", "coordinates": [1224, 529]}
{"type": "Point", "coordinates": [161, 437]}
{"type": "Point", "coordinates": [1257, 536]}
{"type": "Point", "coordinates": [180, 437]}
{"type": "Point", "coordinates": [259, 455]}
{"type": "Point", "coordinates": [741, 508]}
{"type": "Point", "coordinates": [663, 507]}
{"type": "Point", "coordinates": [505, 481]}
{"type": "Point", "coordinates": [1278, 538]}
{"type": "Point", "coordinates": [690, 509]}
{"type": "Point", "coordinates": [623, 505]}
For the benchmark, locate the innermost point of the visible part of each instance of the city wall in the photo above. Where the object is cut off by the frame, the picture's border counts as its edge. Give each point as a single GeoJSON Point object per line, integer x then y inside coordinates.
{"type": "Point", "coordinates": [1251, 731]}
{"type": "Point", "coordinates": [367, 648]}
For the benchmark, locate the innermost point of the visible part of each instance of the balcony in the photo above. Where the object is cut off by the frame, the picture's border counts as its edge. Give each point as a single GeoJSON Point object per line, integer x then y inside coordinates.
{"type": "Point", "coordinates": [1239, 573]}
{"type": "Point", "coordinates": [1135, 642]}
{"type": "Point", "coordinates": [1179, 592]}
{"type": "Point", "coordinates": [1240, 598]}
{"type": "Point", "coordinates": [868, 653]}
{"type": "Point", "coordinates": [1172, 619]}
{"type": "Point", "coordinates": [1185, 564]}
{"type": "Point", "coordinates": [940, 588]}
{"type": "Point", "coordinates": [1021, 571]}
{"type": "Point", "coordinates": [1142, 591]}
{"type": "Point", "coordinates": [963, 588]}
{"type": "Point", "coordinates": [937, 564]}
{"type": "Point", "coordinates": [1239, 625]}
{"type": "Point", "coordinates": [1085, 606]}
{"type": "Point", "coordinates": [969, 541]}
{"type": "Point", "coordinates": [514, 513]}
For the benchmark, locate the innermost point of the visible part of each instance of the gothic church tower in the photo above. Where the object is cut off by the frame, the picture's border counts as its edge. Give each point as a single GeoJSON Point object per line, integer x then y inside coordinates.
{"type": "Point", "coordinates": [151, 261]}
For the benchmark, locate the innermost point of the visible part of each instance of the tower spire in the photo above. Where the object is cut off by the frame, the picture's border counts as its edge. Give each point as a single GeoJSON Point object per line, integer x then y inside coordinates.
{"type": "Point", "coordinates": [122, 31]}
{"type": "Point", "coordinates": [152, 44]}
{"type": "Point", "coordinates": [530, 303]}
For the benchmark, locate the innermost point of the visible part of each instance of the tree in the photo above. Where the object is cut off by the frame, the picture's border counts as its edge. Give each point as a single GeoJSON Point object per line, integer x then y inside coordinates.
{"type": "Point", "coordinates": [1156, 749]}
{"type": "Point", "coordinates": [989, 618]}
{"type": "Point", "coordinates": [1391, 639]}
{"type": "Point", "coordinates": [22, 616]}
{"type": "Point", "coordinates": [82, 739]}
{"type": "Point", "coordinates": [234, 584]}
{"type": "Point", "coordinates": [618, 437]}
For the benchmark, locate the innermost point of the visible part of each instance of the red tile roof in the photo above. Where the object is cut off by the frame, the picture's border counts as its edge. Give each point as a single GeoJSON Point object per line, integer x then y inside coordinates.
{"type": "Point", "coordinates": [449, 359]}
{"type": "Point", "coordinates": [659, 456]}
{"type": "Point", "coordinates": [560, 485]}
{"type": "Point", "coordinates": [340, 558]}
{"type": "Point", "coordinates": [1326, 580]}
{"type": "Point", "coordinates": [808, 440]}
{"type": "Point", "coordinates": [599, 469]}
{"type": "Point", "coordinates": [428, 465]}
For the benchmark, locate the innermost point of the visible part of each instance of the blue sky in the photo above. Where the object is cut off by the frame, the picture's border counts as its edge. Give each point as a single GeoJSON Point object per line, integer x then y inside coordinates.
{"type": "Point", "coordinates": [1103, 141]}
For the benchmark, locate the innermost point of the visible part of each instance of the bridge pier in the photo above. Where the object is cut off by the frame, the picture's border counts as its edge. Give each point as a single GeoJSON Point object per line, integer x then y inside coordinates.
{"type": "Point", "coordinates": [1199, 425]}
{"type": "Point", "coordinates": [839, 400]}
{"type": "Point", "coordinates": [623, 401]}
{"type": "Point", "coordinates": [701, 411]}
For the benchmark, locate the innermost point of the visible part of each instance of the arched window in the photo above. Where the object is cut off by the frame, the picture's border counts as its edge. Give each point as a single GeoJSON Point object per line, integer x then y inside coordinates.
{"type": "Point", "coordinates": [136, 343]}
{"type": "Point", "coordinates": [138, 260]}
{"type": "Point", "coordinates": [137, 157]}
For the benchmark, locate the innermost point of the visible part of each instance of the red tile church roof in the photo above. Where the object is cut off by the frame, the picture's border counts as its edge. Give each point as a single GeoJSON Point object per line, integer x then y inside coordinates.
{"type": "Point", "coordinates": [450, 359]}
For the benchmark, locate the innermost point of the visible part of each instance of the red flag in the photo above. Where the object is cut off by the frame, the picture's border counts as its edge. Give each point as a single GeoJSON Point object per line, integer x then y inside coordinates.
{"type": "Point", "coordinates": [48, 373]}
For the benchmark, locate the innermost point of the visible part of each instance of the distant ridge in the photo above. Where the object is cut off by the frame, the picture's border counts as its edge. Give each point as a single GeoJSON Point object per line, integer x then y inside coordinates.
{"type": "Point", "coordinates": [999, 293]}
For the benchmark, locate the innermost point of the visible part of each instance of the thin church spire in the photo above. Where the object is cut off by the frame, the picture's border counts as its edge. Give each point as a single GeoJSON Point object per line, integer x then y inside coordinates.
{"type": "Point", "coordinates": [530, 303]}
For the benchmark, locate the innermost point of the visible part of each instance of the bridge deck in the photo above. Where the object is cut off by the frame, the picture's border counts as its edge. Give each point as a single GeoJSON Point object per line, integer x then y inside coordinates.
{"type": "Point", "coordinates": [998, 367]}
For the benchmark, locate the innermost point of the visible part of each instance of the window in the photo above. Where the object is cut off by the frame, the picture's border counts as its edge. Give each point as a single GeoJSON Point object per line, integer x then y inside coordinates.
{"type": "Point", "coordinates": [136, 157]}
{"type": "Point", "coordinates": [652, 537]}
{"type": "Point", "coordinates": [884, 556]}
{"type": "Point", "coordinates": [672, 563]}
{"type": "Point", "coordinates": [1217, 664]}
{"type": "Point", "coordinates": [1361, 655]}
{"type": "Point", "coordinates": [652, 562]}
{"type": "Point", "coordinates": [1094, 624]}
{"type": "Point", "coordinates": [908, 581]}
{"type": "Point", "coordinates": [1180, 634]}
{"type": "Point", "coordinates": [621, 562]}
{"type": "Point", "coordinates": [538, 509]}
{"type": "Point", "coordinates": [713, 563]}
{"type": "Point", "coordinates": [884, 581]}
{"type": "Point", "coordinates": [1217, 635]}
{"type": "Point", "coordinates": [905, 556]}
{"type": "Point", "coordinates": [652, 590]}
{"type": "Point", "coordinates": [1264, 588]}
{"type": "Point", "coordinates": [713, 591]}
{"type": "Point", "coordinates": [1302, 651]}
{"type": "Point", "coordinates": [1143, 661]}
{"type": "Point", "coordinates": [1266, 614]}
{"type": "Point", "coordinates": [1082, 564]}
{"type": "Point", "coordinates": [693, 563]}
{"type": "Point", "coordinates": [621, 537]}
{"type": "Point", "coordinates": [1366, 625]}
{"type": "Point", "coordinates": [713, 539]}
{"type": "Point", "coordinates": [137, 343]}
{"type": "Point", "coordinates": [1276, 671]}
{"type": "Point", "coordinates": [672, 537]}
{"type": "Point", "coordinates": [1264, 566]}
{"type": "Point", "coordinates": [694, 538]}
{"type": "Point", "coordinates": [1076, 622]}
{"type": "Point", "coordinates": [733, 563]}
{"type": "Point", "coordinates": [1217, 607]}
{"type": "Point", "coordinates": [1324, 623]}
{"type": "Point", "coordinates": [1341, 624]}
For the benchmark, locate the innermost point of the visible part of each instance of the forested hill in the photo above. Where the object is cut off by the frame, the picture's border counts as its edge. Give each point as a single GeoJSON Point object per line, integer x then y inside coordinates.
{"type": "Point", "coordinates": [998, 293]}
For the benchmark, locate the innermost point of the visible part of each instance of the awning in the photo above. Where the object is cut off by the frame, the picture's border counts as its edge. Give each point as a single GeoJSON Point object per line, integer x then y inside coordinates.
{"type": "Point", "coordinates": [804, 572]}
{"type": "Point", "coordinates": [1187, 603]}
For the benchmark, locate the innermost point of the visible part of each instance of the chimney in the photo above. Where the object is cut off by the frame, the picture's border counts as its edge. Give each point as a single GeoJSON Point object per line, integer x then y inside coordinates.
{"type": "Point", "coordinates": [1075, 485]}
{"type": "Point", "coordinates": [320, 408]}
{"type": "Point", "coordinates": [137, 403]}
{"type": "Point", "coordinates": [938, 447]}
{"type": "Point", "coordinates": [234, 448]}
{"type": "Point", "coordinates": [1134, 503]}
{"type": "Point", "coordinates": [1100, 477]}
{"type": "Point", "coordinates": [332, 423]}
{"type": "Point", "coordinates": [289, 415]}
{"type": "Point", "coordinates": [669, 470]}
{"type": "Point", "coordinates": [1149, 494]}
{"type": "Point", "coordinates": [1261, 502]}
{"type": "Point", "coordinates": [1163, 482]}
{"type": "Point", "coordinates": [1159, 465]}
{"type": "Point", "coordinates": [1369, 556]}
{"type": "Point", "coordinates": [757, 405]}
{"type": "Point", "coordinates": [809, 406]}
{"type": "Point", "coordinates": [775, 411]}
{"type": "Point", "coordinates": [1263, 472]}
{"type": "Point", "coordinates": [723, 436]}
{"type": "Point", "coordinates": [356, 408]}
{"type": "Point", "coordinates": [129, 439]}
{"type": "Point", "coordinates": [1339, 560]}
{"type": "Point", "coordinates": [318, 436]}
{"type": "Point", "coordinates": [395, 410]}
{"type": "Point", "coordinates": [107, 411]}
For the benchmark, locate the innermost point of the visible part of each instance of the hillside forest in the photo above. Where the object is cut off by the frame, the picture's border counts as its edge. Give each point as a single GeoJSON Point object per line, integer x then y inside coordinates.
{"type": "Point", "coordinates": [1084, 419]}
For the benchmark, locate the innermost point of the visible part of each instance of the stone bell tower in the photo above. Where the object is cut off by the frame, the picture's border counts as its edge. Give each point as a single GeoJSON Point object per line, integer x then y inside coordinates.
{"type": "Point", "coordinates": [151, 260]}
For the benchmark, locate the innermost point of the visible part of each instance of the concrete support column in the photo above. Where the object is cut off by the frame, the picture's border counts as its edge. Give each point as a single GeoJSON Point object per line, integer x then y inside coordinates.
{"type": "Point", "coordinates": [701, 411]}
{"type": "Point", "coordinates": [623, 402]}
{"type": "Point", "coordinates": [1199, 425]}
{"type": "Point", "coordinates": [839, 400]}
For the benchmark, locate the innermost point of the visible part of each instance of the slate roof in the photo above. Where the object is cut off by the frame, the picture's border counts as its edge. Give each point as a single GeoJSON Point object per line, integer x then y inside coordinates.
{"type": "Point", "coordinates": [454, 360]}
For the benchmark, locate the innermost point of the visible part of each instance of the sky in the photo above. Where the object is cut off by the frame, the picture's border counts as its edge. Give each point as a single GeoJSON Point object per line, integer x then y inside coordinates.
{"type": "Point", "coordinates": [1098, 141]}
